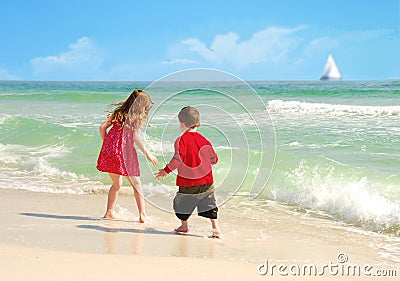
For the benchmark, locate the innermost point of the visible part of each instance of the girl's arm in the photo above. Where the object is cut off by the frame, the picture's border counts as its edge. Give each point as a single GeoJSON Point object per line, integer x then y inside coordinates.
{"type": "Point", "coordinates": [103, 127]}
{"type": "Point", "coordinates": [137, 135]}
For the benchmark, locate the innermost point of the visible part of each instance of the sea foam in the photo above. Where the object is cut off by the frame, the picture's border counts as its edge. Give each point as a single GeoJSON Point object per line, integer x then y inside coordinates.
{"type": "Point", "coordinates": [352, 199]}
{"type": "Point", "coordinates": [29, 168]}
{"type": "Point", "coordinates": [306, 108]}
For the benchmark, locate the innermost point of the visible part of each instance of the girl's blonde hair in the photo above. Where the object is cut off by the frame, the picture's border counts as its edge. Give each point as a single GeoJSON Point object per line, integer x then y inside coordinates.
{"type": "Point", "coordinates": [134, 110]}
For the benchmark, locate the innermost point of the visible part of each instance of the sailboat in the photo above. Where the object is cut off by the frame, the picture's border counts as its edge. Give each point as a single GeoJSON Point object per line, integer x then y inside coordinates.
{"type": "Point", "coordinates": [331, 71]}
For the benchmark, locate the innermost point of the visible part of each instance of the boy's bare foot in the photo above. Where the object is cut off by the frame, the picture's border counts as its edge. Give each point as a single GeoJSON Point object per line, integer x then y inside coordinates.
{"type": "Point", "coordinates": [142, 218]}
{"type": "Point", "coordinates": [108, 215]}
{"type": "Point", "coordinates": [181, 229]}
{"type": "Point", "coordinates": [216, 233]}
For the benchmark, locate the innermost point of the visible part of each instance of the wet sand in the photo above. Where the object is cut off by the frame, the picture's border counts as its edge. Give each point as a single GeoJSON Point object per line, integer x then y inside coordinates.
{"type": "Point", "coordinates": [48, 236]}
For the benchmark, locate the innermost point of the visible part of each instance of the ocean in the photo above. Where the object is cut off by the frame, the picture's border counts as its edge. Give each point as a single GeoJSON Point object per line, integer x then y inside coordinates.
{"type": "Point", "coordinates": [327, 149]}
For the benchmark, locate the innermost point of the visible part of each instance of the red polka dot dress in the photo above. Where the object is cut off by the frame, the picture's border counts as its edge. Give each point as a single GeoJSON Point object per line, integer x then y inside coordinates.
{"type": "Point", "coordinates": [118, 154]}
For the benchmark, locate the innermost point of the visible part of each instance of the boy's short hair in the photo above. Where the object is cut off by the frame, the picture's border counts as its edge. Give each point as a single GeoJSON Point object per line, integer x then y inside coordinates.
{"type": "Point", "coordinates": [189, 116]}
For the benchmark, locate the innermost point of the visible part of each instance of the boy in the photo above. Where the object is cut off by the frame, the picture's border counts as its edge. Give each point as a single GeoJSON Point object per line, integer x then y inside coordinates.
{"type": "Point", "coordinates": [193, 158]}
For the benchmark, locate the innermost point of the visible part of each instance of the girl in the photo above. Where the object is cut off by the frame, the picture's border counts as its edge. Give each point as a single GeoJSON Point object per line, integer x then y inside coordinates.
{"type": "Point", "coordinates": [118, 155]}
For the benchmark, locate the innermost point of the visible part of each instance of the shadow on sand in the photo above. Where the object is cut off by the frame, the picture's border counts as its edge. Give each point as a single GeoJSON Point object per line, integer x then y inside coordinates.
{"type": "Point", "coordinates": [148, 230]}
{"type": "Point", "coordinates": [50, 216]}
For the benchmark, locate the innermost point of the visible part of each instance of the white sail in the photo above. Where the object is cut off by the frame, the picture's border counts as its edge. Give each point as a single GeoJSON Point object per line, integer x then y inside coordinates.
{"type": "Point", "coordinates": [331, 71]}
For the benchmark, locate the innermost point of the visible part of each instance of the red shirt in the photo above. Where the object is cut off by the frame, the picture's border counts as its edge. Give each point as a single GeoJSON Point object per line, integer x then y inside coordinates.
{"type": "Point", "coordinates": [193, 158]}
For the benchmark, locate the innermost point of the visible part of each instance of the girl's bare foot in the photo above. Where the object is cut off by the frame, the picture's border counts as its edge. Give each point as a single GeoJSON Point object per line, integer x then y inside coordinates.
{"type": "Point", "coordinates": [109, 215]}
{"type": "Point", "coordinates": [181, 229]}
{"type": "Point", "coordinates": [142, 218]}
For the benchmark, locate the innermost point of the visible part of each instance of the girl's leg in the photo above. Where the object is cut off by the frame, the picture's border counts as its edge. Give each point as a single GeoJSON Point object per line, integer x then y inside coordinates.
{"type": "Point", "coordinates": [137, 191]}
{"type": "Point", "coordinates": [113, 194]}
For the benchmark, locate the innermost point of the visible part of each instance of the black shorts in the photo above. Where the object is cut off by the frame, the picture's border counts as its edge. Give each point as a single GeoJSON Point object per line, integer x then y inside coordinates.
{"type": "Point", "coordinates": [200, 196]}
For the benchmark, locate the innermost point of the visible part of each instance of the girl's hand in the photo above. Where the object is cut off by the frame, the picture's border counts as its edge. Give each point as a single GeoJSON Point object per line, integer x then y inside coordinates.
{"type": "Point", "coordinates": [152, 159]}
{"type": "Point", "coordinates": [160, 174]}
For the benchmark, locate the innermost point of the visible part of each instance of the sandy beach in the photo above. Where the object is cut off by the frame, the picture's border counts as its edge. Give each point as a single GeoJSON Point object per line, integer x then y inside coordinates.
{"type": "Point", "coordinates": [47, 236]}
{"type": "Point", "coordinates": [299, 101]}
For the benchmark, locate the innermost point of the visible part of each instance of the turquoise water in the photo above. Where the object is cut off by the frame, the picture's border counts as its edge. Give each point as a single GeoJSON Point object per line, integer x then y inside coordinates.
{"type": "Point", "coordinates": [334, 146]}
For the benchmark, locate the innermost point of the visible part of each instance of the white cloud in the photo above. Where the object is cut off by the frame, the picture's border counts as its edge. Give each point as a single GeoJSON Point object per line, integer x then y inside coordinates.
{"type": "Point", "coordinates": [322, 43]}
{"type": "Point", "coordinates": [326, 44]}
{"type": "Point", "coordinates": [317, 47]}
{"type": "Point", "coordinates": [180, 61]}
{"type": "Point", "coordinates": [4, 75]}
{"type": "Point", "coordinates": [81, 58]}
{"type": "Point", "coordinates": [272, 44]}
{"type": "Point", "coordinates": [365, 35]}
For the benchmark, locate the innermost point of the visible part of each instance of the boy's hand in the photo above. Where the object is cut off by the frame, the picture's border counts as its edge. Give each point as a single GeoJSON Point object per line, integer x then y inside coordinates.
{"type": "Point", "coordinates": [160, 174]}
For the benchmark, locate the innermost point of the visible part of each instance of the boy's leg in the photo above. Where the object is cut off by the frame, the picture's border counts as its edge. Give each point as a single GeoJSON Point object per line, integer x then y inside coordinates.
{"type": "Point", "coordinates": [137, 191]}
{"type": "Point", "coordinates": [184, 205]}
{"type": "Point", "coordinates": [207, 205]}
{"type": "Point", "coordinates": [216, 232]}
{"type": "Point", "coordinates": [183, 228]}
{"type": "Point", "coordinates": [207, 208]}
{"type": "Point", "coordinates": [113, 194]}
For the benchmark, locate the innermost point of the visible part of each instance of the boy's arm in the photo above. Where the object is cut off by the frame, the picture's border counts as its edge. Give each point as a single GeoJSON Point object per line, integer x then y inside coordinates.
{"type": "Point", "coordinates": [176, 160]}
{"type": "Point", "coordinates": [214, 159]}
{"type": "Point", "coordinates": [213, 155]}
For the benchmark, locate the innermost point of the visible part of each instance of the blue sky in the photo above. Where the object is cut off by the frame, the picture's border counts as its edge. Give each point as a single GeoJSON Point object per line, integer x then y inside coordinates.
{"type": "Point", "coordinates": [146, 40]}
